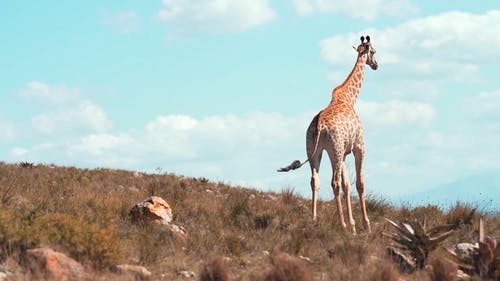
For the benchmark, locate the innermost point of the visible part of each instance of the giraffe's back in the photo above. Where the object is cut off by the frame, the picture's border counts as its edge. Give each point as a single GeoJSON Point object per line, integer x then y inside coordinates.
{"type": "Point", "coordinates": [340, 128]}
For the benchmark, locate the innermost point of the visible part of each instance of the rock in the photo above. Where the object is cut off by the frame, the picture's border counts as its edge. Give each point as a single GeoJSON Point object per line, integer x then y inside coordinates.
{"type": "Point", "coordinates": [139, 271]}
{"type": "Point", "coordinates": [179, 230]}
{"type": "Point", "coordinates": [45, 263]}
{"type": "Point", "coordinates": [3, 276]}
{"type": "Point", "coordinates": [187, 274]}
{"type": "Point", "coordinates": [462, 276]}
{"type": "Point", "coordinates": [273, 198]}
{"type": "Point", "coordinates": [307, 259]}
{"type": "Point", "coordinates": [465, 251]}
{"type": "Point", "coordinates": [153, 209]}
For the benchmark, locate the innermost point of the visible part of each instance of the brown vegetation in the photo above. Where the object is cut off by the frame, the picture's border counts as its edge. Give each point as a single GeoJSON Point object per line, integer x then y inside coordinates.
{"type": "Point", "coordinates": [84, 214]}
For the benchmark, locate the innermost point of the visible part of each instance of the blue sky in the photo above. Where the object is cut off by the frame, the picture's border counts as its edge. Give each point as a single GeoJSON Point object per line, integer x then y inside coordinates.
{"type": "Point", "coordinates": [225, 89]}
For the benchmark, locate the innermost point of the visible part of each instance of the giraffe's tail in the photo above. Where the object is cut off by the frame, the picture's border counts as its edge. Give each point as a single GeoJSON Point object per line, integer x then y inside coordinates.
{"type": "Point", "coordinates": [295, 165]}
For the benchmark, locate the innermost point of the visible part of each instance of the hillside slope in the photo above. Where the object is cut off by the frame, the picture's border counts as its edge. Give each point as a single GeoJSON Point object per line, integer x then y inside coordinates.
{"type": "Point", "coordinates": [84, 213]}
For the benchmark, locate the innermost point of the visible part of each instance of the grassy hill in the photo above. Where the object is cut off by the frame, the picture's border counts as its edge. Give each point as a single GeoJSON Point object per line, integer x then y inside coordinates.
{"type": "Point", "coordinates": [84, 213]}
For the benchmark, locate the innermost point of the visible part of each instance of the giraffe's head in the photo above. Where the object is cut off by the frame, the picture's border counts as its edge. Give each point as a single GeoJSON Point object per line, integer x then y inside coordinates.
{"type": "Point", "coordinates": [366, 51]}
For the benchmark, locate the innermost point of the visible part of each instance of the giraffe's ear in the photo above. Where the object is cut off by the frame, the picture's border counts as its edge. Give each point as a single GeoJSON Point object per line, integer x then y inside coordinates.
{"type": "Point", "coordinates": [368, 38]}
{"type": "Point", "coordinates": [362, 38]}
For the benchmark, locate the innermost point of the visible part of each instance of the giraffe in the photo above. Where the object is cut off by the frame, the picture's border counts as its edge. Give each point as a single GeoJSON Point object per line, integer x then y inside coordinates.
{"type": "Point", "coordinates": [337, 129]}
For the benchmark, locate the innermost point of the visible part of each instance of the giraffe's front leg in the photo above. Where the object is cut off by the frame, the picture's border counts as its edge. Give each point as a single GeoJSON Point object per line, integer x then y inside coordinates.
{"type": "Point", "coordinates": [336, 183]}
{"type": "Point", "coordinates": [346, 188]}
{"type": "Point", "coordinates": [360, 184]}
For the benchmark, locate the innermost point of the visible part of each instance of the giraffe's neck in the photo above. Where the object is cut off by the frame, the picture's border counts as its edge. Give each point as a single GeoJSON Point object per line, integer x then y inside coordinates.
{"type": "Point", "coordinates": [348, 91]}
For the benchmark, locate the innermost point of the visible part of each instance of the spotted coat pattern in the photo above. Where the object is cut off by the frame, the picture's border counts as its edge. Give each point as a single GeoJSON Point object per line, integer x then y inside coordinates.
{"type": "Point", "coordinates": [338, 130]}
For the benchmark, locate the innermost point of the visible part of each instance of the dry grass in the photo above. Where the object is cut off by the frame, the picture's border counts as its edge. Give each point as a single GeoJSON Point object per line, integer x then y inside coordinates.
{"type": "Point", "coordinates": [442, 270]}
{"type": "Point", "coordinates": [84, 213]}
{"type": "Point", "coordinates": [288, 268]}
{"type": "Point", "coordinates": [216, 270]}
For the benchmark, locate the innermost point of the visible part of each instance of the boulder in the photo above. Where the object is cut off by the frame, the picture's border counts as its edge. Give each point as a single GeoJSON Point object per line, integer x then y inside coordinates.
{"type": "Point", "coordinates": [153, 209]}
{"type": "Point", "coordinates": [45, 263]}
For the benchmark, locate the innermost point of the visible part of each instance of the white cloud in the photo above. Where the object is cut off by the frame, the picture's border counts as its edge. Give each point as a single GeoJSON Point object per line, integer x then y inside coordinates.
{"type": "Point", "coordinates": [7, 130]}
{"type": "Point", "coordinates": [303, 7]}
{"type": "Point", "coordinates": [451, 43]}
{"type": "Point", "coordinates": [485, 105]}
{"type": "Point", "coordinates": [66, 110]}
{"type": "Point", "coordinates": [87, 116]}
{"type": "Point", "coordinates": [19, 152]}
{"type": "Point", "coordinates": [216, 15]}
{"type": "Point", "coordinates": [395, 113]}
{"type": "Point", "coordinates": [217, 136]}
{"type": "Point", "coordinates": [362, 9]}
{"type": "Point", "coordinates": [56, 94]}
{"type": "Point", "coordinates": [122, 21]}
{"type": "Point", "coordinates": [102, 144]}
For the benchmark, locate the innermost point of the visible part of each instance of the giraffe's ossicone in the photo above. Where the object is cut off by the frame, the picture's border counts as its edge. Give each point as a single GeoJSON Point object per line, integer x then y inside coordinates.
{"type": "Point", "coordinates": [337, 129]}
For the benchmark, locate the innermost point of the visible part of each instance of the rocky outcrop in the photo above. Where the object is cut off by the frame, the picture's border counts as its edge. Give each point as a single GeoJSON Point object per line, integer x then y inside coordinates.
{"type": "Point", "coordinates": [153, 209]}
{"type": "Point", "coordinates": [45, 263]}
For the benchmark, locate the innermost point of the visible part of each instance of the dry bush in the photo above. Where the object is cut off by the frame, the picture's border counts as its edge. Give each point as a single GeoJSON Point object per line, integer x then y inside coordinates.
{"type": "Point", "coordinates": [429, 215]}
{"type": "Point", "coordinates": [377, 205]}
{"type": "Point", "coordinates": [288, 196]}
{"type": "Point", "coordinates": [350, 251]}
{"type": "Point", "coordinates": [382, 270]}
{"type": "Point", "coordinates": [461, 214]}
{"type": "Point", "coordinates": [288, 268]}
{"type": "Point", "coordinates": [215, 270]}
{"type": "Point", "coordinates": [442, 270]}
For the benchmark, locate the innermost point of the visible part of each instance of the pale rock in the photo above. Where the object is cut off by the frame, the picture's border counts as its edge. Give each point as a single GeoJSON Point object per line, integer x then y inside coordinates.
{"type": "Point", "coordinates": [48, 264]}
{"type": "Point", "coordinates": [178, 229]}
{"type": "Point", "coordinates": [154, 209]}
{"type": "Point", "coordinates": [307, 259]}
{"type": "Point", "coordinates": [187, 274]}
{"type": "Point", "coordinates": [465, 251]}
{"type": "Point", "coordinates": [137, 270]}
{"type": "Point", "coordinates": [462, 276]}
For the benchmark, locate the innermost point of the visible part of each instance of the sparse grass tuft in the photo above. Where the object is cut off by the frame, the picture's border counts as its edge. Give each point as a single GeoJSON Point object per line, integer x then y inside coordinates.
{"type": "Point", "coordinates": [288, 268]}
{"type": "Point", "coordinates": [215, 270]}
{"type": "Point", "coordinates": [441, 269]}
{"type": "Point", "coordinates": [383, 270]}
{"type": "Point", "coordinates": [461, 214]}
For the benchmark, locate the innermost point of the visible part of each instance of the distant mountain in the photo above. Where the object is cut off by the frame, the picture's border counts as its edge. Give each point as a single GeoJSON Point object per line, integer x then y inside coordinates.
{"type": "Point", "coordinates": [480, 190]}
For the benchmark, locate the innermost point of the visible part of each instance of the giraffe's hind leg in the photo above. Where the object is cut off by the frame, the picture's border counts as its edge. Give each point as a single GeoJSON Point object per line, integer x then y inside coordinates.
{"type": "Point", "coordinates": [337, 164]}
{"type": "Point", "coordinates": [346, 188]}
{"type": "Point", "coordinates": [359, 154]}
{"type": "Point", "coordinates": [315, 163]}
